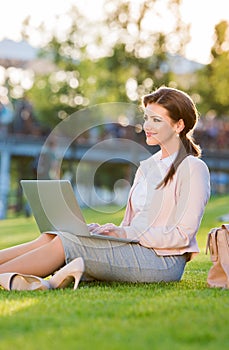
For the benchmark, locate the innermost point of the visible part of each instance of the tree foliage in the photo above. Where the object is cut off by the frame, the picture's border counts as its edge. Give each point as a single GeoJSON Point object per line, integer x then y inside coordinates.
{"type": "Point", "coordinates": [119, 58]}
{"type": "Point", "coordinates": [213, 79]}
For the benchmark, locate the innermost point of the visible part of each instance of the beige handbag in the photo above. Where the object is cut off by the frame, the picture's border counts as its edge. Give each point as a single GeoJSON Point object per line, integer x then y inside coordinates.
{"type": "Point", "coordinates": [218, 245]}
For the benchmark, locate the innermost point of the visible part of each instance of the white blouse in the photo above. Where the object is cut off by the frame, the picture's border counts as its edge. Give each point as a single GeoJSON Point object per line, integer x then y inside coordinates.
{"type": "Point", "coordinates": [139, 194]}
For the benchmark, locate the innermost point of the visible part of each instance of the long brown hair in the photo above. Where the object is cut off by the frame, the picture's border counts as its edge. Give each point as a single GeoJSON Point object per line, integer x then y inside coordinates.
{"type": "Point", "coordinates": [179, 106]}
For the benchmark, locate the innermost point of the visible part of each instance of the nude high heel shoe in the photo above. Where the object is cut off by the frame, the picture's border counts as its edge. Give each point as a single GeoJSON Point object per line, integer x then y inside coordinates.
{"type": "Point", "coordinates": [17, 281]}
{"type": "Point", "coordinates": [70, 272]}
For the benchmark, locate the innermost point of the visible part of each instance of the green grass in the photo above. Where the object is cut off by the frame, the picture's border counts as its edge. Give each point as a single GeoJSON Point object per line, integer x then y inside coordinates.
{"type": "Point", "coordinates": [182, 315]}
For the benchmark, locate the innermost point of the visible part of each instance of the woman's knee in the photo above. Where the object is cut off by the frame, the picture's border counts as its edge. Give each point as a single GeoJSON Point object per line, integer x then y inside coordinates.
{"type": "Point", "coordinates": [45, 238]}
{"type": "Point", "coordinates": [57, 245]}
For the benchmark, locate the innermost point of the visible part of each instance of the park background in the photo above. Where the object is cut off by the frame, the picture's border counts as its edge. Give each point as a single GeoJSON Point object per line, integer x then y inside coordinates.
{"type": "Point", "coordinates": [73, 56]}
{"type": "Point", "coordinates": [59, 58]}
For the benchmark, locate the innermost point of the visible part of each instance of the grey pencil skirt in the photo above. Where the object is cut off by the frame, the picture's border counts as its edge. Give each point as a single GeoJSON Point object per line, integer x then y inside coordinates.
{"type": "Point", "coordinates": [107, 260]}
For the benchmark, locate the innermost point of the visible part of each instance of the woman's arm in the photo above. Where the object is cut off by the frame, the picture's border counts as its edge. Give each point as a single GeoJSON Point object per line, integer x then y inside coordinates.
{"type": "Point", "coordinates": [192, 194]}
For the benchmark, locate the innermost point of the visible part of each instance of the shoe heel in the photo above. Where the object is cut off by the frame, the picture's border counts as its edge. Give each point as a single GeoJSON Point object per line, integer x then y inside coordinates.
{"type": "Point", "coordinates": [77, 277]}
{"type": "Point", "coordinates": [70, 272]}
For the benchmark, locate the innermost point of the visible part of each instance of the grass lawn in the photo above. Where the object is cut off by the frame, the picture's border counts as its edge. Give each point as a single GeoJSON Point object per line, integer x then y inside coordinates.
{"type": "Point", "coordinates": [183, 315]}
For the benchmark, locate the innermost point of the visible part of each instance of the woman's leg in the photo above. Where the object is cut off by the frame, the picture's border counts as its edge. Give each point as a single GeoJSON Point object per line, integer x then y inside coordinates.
{"type": "Point", "coordinates": [18, 250]}
{"type": "Point", "coordinates": [41, 261]}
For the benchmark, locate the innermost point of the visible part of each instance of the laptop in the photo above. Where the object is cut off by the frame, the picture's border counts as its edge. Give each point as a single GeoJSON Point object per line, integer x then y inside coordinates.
{"type": "Point", "coordinates": [55, 208]}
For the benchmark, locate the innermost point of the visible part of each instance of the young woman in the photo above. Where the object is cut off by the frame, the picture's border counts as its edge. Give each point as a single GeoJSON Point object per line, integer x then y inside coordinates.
{"type": "Point", "coordinates": [164, 211]}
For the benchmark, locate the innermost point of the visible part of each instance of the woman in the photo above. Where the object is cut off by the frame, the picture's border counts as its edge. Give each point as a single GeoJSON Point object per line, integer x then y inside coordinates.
{"type": "Point", "coordinates": [164, 211]}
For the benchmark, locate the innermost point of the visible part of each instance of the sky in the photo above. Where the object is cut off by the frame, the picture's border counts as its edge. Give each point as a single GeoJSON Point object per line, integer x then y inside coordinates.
{"type": "Point", "coordinates": [201, 14]}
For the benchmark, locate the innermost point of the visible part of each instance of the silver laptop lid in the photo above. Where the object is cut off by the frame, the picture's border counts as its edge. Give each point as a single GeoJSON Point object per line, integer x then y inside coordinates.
{"type": "Point", "coordinates": [54, 206]}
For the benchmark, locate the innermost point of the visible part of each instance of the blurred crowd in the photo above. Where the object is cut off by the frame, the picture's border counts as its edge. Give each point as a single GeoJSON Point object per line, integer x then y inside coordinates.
{"type": "Point", "coordinates": [19, 119]}
{"type": "Point", "coordinates": [212, 134]}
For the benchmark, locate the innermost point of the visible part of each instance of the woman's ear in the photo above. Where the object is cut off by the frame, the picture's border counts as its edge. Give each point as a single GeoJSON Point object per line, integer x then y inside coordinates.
{"type": "Point", "coordinates": [180, 126]}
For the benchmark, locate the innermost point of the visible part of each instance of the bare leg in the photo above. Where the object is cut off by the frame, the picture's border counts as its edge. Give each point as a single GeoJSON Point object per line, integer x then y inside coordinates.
{"type": "Point", "coordinates": [18, 250]}
{"type": "Point", "coordinates": [41, 261]}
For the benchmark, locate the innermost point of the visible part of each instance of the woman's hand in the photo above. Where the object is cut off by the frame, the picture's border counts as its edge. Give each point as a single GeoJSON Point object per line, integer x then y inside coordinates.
{"type": "Point", "coordinates": [92, 226]}
{"type": "Point", "coordinates": [109, 230]}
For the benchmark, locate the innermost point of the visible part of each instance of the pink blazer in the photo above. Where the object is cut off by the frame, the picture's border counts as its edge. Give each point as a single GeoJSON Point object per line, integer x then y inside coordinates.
{"type": "Point", "coordinates": [171, 215]}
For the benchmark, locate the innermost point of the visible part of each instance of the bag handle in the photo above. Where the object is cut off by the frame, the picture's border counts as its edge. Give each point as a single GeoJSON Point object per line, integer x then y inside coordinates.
{"type": "Point", "coordinates": [226, 227]}
{"type": "Point", "coordinates": [212, 244]}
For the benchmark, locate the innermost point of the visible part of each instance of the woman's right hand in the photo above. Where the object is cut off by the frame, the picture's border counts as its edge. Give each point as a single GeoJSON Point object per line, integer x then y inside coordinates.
{"type": "Point", "coordinates": [92, 226]}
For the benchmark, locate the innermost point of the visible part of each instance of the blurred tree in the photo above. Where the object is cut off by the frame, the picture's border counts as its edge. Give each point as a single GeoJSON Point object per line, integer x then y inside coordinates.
{"type": "Point", "coordinates": [213, 79]}
{"type": "Point", "coordinates": [117, 59]}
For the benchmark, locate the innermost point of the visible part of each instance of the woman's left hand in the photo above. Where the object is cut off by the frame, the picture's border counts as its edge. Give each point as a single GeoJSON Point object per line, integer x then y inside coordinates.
{"type": "Point", "coordinates": [110, 230]}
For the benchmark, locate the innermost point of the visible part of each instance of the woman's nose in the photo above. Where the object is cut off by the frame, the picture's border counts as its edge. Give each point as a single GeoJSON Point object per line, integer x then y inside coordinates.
{"type": "Point", "coordinates": [146, 125]}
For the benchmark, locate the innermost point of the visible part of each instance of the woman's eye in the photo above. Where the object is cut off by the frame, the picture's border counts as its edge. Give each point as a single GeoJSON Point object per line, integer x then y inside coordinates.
{"type": "Point", "coordinates": [156, 120]}
{"type": "Point", "coordinates": [152, 118]}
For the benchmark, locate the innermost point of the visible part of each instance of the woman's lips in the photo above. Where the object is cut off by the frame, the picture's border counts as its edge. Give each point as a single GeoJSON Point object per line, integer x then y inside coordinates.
{"type": "Point", "coordinates": [150, 134]}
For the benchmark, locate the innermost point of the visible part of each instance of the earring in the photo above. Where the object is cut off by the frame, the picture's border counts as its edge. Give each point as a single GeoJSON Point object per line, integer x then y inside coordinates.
{"type": "Point", "coordinates": [177, 135]}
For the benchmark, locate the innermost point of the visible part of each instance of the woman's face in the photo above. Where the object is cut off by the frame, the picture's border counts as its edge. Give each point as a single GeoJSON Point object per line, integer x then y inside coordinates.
{"type": "Point", "coordinates": [159, 128]}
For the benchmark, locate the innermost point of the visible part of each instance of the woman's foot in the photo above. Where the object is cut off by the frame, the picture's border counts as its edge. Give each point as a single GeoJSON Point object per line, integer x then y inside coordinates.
{"type": "Point", "coordinates": [69, 273]}
{"type": "Point", "coordinates": [17, 281]}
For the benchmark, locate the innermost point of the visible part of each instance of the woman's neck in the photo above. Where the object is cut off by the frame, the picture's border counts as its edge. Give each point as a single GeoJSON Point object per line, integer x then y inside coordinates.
{"type": "Point", "coordinates": [169, 151]}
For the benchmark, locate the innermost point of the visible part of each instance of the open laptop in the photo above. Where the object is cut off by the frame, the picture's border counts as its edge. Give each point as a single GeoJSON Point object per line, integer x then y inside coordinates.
{"type": "Point", "coordinates": [55, 208]}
